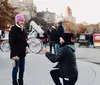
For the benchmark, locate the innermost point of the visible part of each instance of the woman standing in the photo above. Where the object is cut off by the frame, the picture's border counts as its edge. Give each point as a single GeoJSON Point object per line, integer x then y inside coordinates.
{"type": "Point", "coordinates": [19, 48]}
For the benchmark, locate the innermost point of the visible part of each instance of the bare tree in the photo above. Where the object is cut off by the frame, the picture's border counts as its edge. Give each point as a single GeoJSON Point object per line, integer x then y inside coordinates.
{"type": "Point", "coordinates": [7, 13]}
{"type": "Point", "coordinates": [31, 9]}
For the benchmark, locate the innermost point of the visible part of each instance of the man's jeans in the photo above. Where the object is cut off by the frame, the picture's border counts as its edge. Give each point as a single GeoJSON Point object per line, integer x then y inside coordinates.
{"type": "Point", "coordinates": [20, 65]}
{"type": "Point", "coordinates": [57, 48]}
{"type": "Point", "coordinates": [56, 75]}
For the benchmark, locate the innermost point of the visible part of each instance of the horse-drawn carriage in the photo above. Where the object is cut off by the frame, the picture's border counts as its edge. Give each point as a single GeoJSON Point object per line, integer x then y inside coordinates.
{"type": "Point", "coordinates": [84, 40]}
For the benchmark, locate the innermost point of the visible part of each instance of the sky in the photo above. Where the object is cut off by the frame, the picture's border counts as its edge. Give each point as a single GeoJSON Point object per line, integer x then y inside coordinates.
{"type": "Point", "coordinates": [82, 10]}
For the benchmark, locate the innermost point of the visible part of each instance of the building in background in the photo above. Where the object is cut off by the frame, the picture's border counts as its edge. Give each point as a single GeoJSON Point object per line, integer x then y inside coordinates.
{"type": "Point", "coordinates": [69, 16]}
{"type": "Point", "coordinates": [49, 17]}
{"type": "Point", "coordinates": [26, 7]}
{"type": "Point", "coordinates": [59, 18]}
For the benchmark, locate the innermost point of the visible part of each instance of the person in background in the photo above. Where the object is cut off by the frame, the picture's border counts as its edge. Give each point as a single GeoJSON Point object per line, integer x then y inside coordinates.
{"type": "Point", "coordinates": [52, 38]}
{"type": "Point", "coordinates": [58, 33]}
{"type": "Point", "coordinates": [18, 49]}
{"type": "Point", "coordinates": [3, 33]}
{"type": "Point", "coordinates": [67, 67]}
{"type": "Point", "coordinates": [91, 39]}
{"type": "Point", "coordinates": [49, 34]}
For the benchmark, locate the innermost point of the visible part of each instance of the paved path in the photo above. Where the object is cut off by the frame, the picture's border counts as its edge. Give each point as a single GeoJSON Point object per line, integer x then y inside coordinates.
{"type": "Point", "coordinates": [88, 54]}
{"type": "Point", "coordinates": [38, 67]}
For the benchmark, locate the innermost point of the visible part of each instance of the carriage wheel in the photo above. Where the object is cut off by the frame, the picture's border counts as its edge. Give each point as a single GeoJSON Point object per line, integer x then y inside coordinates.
{"type": "Point", "coordinates": [5, 46]}
{"type": "Point", "coordinates": [35, 45]}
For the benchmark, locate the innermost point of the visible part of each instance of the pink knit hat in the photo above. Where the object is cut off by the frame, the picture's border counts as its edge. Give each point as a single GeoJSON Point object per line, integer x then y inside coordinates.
{"type": "Point", "coordinates": [19, 17]}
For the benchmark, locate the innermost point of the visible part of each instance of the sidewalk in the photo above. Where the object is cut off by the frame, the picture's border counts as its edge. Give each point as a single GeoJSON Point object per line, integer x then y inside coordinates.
{"type": "Point", "coordinates": [38, 67]}
{"type": "Point", "coordinates": [89, 74]}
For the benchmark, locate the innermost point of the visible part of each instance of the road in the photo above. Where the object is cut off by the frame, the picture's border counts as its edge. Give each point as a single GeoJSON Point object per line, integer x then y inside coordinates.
{"type": "Point", "coordinates": [88, 54]}
{"type": "Point", "coordinates": [38, 68]}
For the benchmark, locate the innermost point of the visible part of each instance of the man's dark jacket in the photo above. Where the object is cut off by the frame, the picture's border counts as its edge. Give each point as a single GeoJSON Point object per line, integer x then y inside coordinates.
{"type": "Point", "coordinates": [17, 42]}
{"type": "Point", "coordinates": [66, 61]}
{"type": "Point", "coordinates": [58, 33]}
{"type": "Point", "coordinates": [53, 34]}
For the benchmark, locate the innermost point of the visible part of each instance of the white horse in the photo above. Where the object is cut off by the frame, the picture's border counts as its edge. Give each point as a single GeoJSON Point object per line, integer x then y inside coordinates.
{"type": "Point", "coordinates": [35, 44]}
{"type": "Point", "coordinates": [35, 29]}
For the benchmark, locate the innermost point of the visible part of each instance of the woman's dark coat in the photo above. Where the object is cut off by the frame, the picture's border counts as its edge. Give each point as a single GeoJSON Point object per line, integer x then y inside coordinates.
{"type": "Point", "coordinates": [17, 42]}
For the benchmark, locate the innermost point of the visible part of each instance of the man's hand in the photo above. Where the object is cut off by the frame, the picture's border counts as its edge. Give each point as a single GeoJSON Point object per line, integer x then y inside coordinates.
{"type": "Point", "coordinates": [16, 58]}
{"type": "Point", "coordinates": [44, 50]}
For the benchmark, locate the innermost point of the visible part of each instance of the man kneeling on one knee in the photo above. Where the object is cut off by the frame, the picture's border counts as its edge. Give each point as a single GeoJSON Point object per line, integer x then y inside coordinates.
{"type": "Point", "coordinates": [67, 67]}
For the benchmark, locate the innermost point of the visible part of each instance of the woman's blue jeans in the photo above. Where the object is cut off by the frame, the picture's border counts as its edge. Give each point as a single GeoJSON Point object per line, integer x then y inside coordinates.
{"type": "Point", "coordinates": [20, 66]}
{"type": "Point", "coordinates": [57, 48]}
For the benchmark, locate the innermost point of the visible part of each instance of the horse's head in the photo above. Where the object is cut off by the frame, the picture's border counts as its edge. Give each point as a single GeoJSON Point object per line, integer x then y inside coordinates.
{"type": "Point", "coordinates": [34, 27]}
